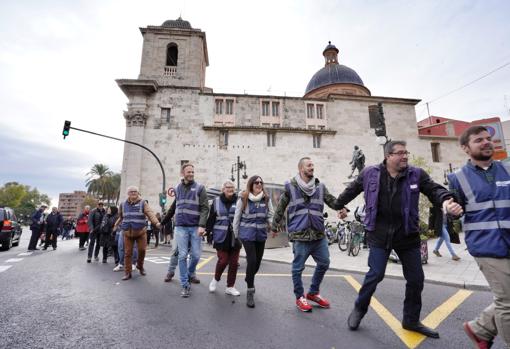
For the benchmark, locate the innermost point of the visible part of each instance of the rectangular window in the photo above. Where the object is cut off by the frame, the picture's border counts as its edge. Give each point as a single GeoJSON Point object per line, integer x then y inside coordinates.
{"type": "Point", "coordinates": [316, 141]}
{"type": "Point", "coordinates": [229, 107]}
{"type": "Point", "coordinates": [265, 108]}
{"type": "Point", "coordinates": [219, 106]}
{"type": "Point", "coordinates": [165, 114]}
{"type": "Point", "coordinates": [271, 139]}
{"type": "Point", "coordinates": [276, 125]}
{"type": "Point", "coordinates": [223, 138]}
{"type": "Point", "coordinates": [435, 152]}
{"type": "Point", "coordinates": [309, 111]}
{"type": "Point", "coordinates": [319, 109]}
{"type": "Point", "coordinates": [276, 108]}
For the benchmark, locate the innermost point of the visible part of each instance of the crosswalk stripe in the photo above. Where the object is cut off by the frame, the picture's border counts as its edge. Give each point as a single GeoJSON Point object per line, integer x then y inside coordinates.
{"type": "Point", "coordinates": [25, 254]}
{"type": "Point", "coordinates": [13, 260]}
{"type": "Point", "coordinates": [4, 267]}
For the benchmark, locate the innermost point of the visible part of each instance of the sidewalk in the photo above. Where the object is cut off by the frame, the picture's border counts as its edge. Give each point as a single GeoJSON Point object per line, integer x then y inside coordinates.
{"type": "Point", "coordinates": [439, 270]}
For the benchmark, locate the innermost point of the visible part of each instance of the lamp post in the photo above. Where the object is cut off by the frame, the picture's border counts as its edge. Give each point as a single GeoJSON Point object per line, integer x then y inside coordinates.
{"type": "Point", "coordinates": [237, 167]}
{"type": "Point", "coordinates": [447, 172]}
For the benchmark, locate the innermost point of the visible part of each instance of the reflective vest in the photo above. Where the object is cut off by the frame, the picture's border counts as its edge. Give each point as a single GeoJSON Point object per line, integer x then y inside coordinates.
{"type": "Point", "coordinates": [487, 209]}
{"type": "Point", "coordinates": [301, 214]}
{"type": "Point", "coordinates": [133, 216]}
{"type": "Point", "coordinates": [253, 226]}
{"type": "Point", "coordinates": [410, 198]}
{"type": "Point", "coordinates": [224, 219]}
{"type": "Point", "coordinates": [187, 209]}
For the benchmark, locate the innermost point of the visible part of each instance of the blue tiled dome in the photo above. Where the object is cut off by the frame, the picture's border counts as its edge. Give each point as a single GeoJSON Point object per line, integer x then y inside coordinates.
{"type": "Point", "coordinates": [333, 74]}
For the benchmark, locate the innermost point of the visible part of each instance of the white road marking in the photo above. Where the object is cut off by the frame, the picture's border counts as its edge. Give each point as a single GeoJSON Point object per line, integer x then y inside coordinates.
{"type": "Point", "coordinates": [14, 260]}
{"type": "Point", "coordinates": [25, 254]}
{"type": "Point", "coordinates": [158, 260]}
{"type": "Point", "coordinates": [4, 267]}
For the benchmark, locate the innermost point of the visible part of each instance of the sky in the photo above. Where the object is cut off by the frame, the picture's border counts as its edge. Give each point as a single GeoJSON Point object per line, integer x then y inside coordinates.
{"type": "Point", "coordinates": [59, 60]}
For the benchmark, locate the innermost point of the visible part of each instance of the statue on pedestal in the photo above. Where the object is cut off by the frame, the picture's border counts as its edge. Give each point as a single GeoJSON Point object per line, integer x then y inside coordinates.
{"type": "Point", "coordinates": [358, 160]}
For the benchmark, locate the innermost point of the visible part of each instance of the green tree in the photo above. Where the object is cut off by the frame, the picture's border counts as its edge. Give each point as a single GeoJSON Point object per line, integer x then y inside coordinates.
{"type": "Point", "coordinates": [23, 199]}
{"type": "Point", "coordinates": [102, 183]}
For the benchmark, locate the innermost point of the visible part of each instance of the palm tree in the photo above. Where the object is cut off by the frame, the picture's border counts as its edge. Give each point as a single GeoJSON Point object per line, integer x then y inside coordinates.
{"type": "Point", "coordinates": [98, 183]}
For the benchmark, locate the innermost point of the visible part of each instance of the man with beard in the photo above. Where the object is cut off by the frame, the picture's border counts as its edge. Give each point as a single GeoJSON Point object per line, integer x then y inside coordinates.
{"type": "Point", "coordinates": [483, 188]}
{"type": "Point", "coordinates": [392, 190]}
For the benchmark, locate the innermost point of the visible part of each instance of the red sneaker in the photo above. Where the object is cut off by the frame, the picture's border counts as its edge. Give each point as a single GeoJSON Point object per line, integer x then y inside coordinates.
{"type": "Point", "coordinates": [303, 305]}
{"type": "Point", "coordinates": [478, 342]}
{"type": "Point", "coordinates": [317, 298]}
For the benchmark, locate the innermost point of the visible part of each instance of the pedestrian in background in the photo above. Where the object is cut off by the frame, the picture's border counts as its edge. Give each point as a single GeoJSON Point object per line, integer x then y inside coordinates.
{"type": "Point", "coordinates": [36, 225]}
{"type": "Point", "coordinates": [107, 237]}
{"type": "Point", "coordinates": [54, 222]}
{"type": "Point", "coordinates": [82, 227]}
{"type": "Point", "coordinates": [253, 216]}
{"type": "Point", "coordinates": [219, 225]}
{"type": "Point", "coordinates": [67, 227]}
{"type": "Point", "coordinates": [483, 188]}
{"type": "Point", "coordinates": [94, 222]}
{"type": "Point", "coordinates": [443, 228]}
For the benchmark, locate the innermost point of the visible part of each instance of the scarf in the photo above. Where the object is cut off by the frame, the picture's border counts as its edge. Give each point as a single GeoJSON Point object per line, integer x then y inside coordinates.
{"type": "Point", "coordinates": [256, 198]}
{"type": "Point", "coordinates": [307, 188]}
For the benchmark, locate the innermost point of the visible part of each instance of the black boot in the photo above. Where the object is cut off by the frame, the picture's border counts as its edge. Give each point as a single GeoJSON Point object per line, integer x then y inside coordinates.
{"type": "Point", "coordinates": [250, 301]}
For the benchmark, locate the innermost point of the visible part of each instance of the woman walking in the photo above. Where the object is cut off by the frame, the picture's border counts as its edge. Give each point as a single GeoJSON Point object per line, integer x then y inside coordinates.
{"type": "Point", "coordinates": [442, 227]}
{"type": "Point", "coordinates": [219, 224]}
{"type": "Point", "coordinates": [253, 216]}
{"type": "Point", "coordinates": [107, 237]}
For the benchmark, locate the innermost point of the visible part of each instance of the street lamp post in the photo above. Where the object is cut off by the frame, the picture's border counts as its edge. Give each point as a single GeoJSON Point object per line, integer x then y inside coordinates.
{"type": "Point", "coordinates": [237, 167]}
{"type": "Point", "coordinates": [447, 172]}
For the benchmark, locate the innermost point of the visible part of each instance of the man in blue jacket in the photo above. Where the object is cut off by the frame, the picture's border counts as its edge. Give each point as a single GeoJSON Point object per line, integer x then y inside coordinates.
{"type": "Point", "coordinates": [35, 226]}
{"type": "Point", "coordinates": [483, 188]}
{"type": "Point", "coordinates": [392, 190]}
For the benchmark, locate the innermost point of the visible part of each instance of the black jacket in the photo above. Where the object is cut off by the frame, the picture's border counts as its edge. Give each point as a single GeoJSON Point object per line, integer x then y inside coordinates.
{"type": "Point", "coordinates": [95, 219]}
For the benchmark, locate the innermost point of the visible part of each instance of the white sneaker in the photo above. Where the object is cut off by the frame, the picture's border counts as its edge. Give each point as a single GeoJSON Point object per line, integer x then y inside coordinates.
{"type": "Point", "coordinates": [212, 285]}
{"type": "Point", "coordinates": [119, 267]}
{"type": "Point", "coordinates": [134, 267]}
{"type": "Point", "coordinates": [232, 291]}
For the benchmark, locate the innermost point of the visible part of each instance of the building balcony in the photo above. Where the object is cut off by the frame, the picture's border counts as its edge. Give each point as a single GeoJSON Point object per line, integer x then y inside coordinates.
{"type": "Point", "coordinates": [170, 71]}
{"type": "Point", "coordinates": [270, 120]}
{"type": "Point", "coordinates": [222, 119]}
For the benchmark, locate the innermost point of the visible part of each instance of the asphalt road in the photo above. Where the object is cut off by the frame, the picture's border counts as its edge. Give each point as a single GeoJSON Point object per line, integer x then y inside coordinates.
{"type": "Point", "coordinates": [54, 299]}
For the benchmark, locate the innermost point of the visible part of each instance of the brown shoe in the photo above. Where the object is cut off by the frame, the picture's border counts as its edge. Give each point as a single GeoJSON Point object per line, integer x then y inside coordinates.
{"type": "Point", "coordinates": [142, 271]}
{"type": "Point", "coordinates": [169, 276]}
{"type": "Point", "coordinates": [126, 277]}
{"type": "Point", "coordinates": [194, 280]}
{"type": "Point", "coordinates": [455, 258]}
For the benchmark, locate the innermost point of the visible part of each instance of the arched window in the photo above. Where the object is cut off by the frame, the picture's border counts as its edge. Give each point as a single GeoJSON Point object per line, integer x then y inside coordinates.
{"type": "Point", "coordinates": [171, 54]}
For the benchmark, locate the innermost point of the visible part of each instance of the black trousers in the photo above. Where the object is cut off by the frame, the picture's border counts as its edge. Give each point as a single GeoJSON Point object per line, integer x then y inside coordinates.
{"type": "Point", "coordinates": [51, 238]}
{"type": "Point", "coordinates": [93, 242]}
{"type": "Point", "coordinates": [254, 252]}
{"type": "Point", "coordinates": [83, 239]}
{"type": "Point", "coordinates": [36, 233]}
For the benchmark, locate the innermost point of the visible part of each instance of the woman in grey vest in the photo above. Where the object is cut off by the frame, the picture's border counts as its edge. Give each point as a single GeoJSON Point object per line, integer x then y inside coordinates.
{"type": "Point", "coordinates": [253, 216]}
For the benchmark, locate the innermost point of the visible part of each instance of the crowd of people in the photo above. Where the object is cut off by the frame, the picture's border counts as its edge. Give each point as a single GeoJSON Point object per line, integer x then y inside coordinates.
{"type": "Point", "coordinates": [479, 193]}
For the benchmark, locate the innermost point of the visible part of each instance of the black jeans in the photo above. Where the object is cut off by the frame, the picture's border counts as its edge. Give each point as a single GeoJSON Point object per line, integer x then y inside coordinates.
{"type": "Point", "coordinates": [83, 239]}
{"type": "Point", "coordinates": [36, 233]}
{"type": "Point", "coordinates": [413, 273]}
{"type": "Point", "coordinates": [254, 252]}
{"type": "Point", "coordinates": [51, 238]}
{"type": "Point", "coordinates": [94, 242]}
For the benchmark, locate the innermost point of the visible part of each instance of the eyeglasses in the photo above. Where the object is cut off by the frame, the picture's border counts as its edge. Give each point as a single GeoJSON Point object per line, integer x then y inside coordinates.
{"type": "Point", "coordinates": [401, 153]}
{"type": "Point", "coordinates": [100, 204]}
{"type": "Point", "coordinates": [258, 182]}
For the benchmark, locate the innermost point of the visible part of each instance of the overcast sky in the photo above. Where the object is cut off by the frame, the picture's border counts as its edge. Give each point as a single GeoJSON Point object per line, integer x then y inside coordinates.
{"type": "Point", "coordinates": [59, 60]}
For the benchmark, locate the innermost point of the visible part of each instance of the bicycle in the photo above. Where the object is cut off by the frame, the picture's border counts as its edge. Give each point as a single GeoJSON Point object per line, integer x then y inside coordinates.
{"type": "Point", "coordinates": [330, 233]}
{"type": "Point", "coordinates": [352, 233]}
{"type": "Point", "coordinates": [341, 236]}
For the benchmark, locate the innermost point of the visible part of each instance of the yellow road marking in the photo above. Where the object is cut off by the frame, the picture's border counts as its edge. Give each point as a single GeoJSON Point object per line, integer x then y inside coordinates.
{"type": "Point", "coordinates": [204, 262]}
{"type": "Point", "coordinates": [413, 339]}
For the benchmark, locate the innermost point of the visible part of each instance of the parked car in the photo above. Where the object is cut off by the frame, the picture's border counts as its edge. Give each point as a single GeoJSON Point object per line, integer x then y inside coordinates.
{"type": "Point", "coordinates": [10, 228]}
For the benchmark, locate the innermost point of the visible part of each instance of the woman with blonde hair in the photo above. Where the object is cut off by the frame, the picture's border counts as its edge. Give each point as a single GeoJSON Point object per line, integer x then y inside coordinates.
{"type": "Point", "coordinates": [253, 215]}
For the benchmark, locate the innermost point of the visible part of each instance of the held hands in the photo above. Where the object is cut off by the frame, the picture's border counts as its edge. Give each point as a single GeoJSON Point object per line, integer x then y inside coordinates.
{"type": "Point", "coordinates": [452, 208]}
{"type": "Point", "coordinates": [201, 231]}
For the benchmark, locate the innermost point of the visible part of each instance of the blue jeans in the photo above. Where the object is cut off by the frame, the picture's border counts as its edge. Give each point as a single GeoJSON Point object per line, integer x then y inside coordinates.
{"type": "Point", "coordinates": [119, 237]}
{"type": "Point", "coordinates": [319, 251]}
{"type": "Point", "coordinates": [184, 236]}
{"type": "Point", "coordinates": [413, 273]}
{"type": "Point", "coordinates": [174, 258]}
{"type": "Point", "coordinates": [446, 238]}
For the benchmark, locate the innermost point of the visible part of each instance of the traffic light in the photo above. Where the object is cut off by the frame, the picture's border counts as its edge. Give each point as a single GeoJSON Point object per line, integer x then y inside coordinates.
{"type": "Point", "coordinates": [67, 127]}
{"type": "Point", "coordinates": [377, 122]}
{"type": "Point", "coordinates": [162, 199]}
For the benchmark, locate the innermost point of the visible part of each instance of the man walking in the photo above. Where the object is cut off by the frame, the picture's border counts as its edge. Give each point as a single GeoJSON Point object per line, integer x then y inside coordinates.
{"type": "Point", "coordinates": [483, 188]}
{"type": "Point", "coordinates": [54, 223]}
{"type": "Point", "coordinates": [305, 197]}
{"type": "Point", "coordinates": [392, 191]}
{"type": "Point", "coordinates": [132, 215]}
{"type": "Point", "coordinates": [191, 209]}
{"type": "Point", "coordinates": [36, 226]}
{"type": "Point", "coordinates": [94, 222]}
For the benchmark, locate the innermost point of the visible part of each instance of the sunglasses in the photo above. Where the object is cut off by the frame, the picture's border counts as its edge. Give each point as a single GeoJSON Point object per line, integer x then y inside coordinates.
{"type": "Point", "coordinates": [100, 204]}
{"type": "Point", "coordinates": [258, 182]}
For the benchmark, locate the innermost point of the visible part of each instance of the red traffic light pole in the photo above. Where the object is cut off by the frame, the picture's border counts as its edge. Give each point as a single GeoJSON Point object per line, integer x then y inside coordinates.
{"type": "Point", "coordinates": [67, 126]}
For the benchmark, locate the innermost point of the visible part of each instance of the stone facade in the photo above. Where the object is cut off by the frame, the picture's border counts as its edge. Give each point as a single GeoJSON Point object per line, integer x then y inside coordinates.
{"type": "Point", "coordinates": [69, 204]}
{"type": "Point", "coordinates": [181, 120]}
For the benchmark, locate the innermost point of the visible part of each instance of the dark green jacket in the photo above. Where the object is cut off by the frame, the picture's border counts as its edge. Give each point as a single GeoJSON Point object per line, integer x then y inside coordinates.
{"type": "Point", "coordinates": [279, 214]}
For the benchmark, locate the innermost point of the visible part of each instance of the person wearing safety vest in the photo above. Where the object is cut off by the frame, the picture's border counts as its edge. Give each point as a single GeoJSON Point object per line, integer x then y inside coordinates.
{"type": "Point", "coordinates": [219, 224]}
{"type": "Point", "coordinates": [304, 198]}
{"type": "Point", "coordinates": [132, 222]}
{"type": "Point", "coordinates": [483, 188]}
{"type": "Point", "coordinates": [189, 209]}
{"type": "Point", "coordinates": [252, 218]}
{"type": "Point", "coordinates": [391, 192]}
